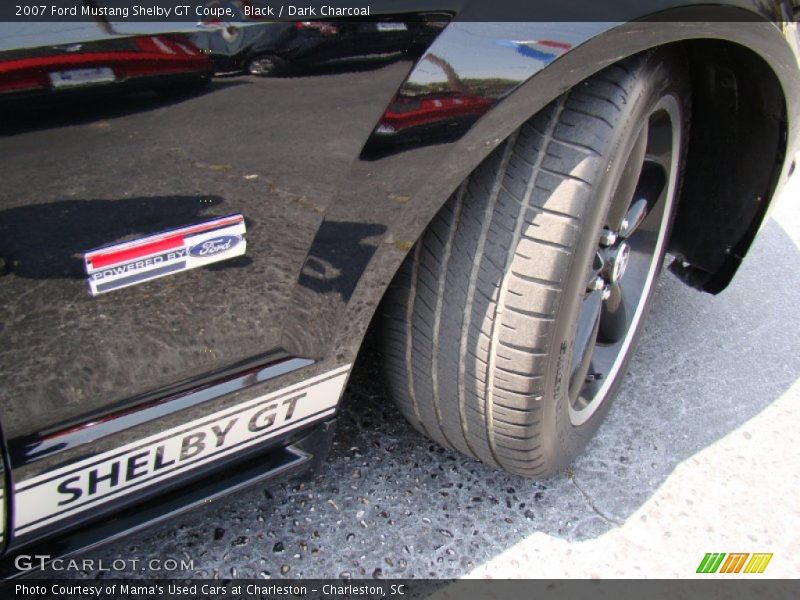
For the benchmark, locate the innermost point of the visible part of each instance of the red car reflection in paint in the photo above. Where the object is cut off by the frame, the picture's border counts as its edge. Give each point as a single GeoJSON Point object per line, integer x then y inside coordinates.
{"type": "Point", "coordinates": [405, 113]}
{"type": "Point", "coordinates": [102, 63]}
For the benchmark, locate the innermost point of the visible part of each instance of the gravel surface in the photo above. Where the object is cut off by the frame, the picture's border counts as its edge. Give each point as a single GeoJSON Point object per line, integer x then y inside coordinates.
{"type": "Point", "coordinates": [698, 454]}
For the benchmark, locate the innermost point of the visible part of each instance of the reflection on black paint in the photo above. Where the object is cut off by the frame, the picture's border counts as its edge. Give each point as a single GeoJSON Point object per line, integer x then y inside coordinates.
{"type": "Point", "coordinates": [155, 61]}
{"type": "Point", "coordinates": [303, 47]}
{"type": "Point", "coordinates": [339, 254]}
{"type": "Point", "coordinates": [47, 241]}
{"type": "Point", "coordinates": [414, 122]}
{"type": "Point", "coordinates": [433, 113]}
{"type": "Point", "coordinates": [113, 77]}
{"type": "Point", "coordinates": [23, 115]}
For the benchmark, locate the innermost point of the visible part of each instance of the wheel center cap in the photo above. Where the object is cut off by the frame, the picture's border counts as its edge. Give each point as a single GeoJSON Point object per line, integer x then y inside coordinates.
{"type": "Point", "coordinates": [619, 262]}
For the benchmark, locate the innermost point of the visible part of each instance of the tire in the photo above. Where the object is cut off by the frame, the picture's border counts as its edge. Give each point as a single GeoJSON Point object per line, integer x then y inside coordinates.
{"type": "Point", "coordinates": [484, 329]}
{"type": "Point", "coordinates": [263, 66]}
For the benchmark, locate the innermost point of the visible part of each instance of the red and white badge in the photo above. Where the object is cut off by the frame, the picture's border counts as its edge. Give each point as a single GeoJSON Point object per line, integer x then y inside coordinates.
{"type": "Point", "coordinates": [130, 263]}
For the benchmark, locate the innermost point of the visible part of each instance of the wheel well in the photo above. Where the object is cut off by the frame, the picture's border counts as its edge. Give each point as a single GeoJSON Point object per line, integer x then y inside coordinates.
{"type": "Point", "coordinates": [736, 151]}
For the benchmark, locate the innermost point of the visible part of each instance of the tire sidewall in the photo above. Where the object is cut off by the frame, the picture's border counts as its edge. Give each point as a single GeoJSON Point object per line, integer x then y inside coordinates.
{"type": "Point", "coordinates": [660, 74]}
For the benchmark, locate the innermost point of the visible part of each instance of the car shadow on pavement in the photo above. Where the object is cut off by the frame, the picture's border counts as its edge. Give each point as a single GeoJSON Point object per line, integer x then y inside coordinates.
{"type": "Point", "coordinates": [390, 503]}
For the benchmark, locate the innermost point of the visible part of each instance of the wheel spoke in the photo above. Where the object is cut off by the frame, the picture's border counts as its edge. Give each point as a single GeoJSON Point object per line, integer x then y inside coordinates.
{"type": "Point", "coordinates": [634, 217]}
{"type": "Point", "coordinates": [660, 160]}
{"type": "Point", "coordinates": [613, 323]}
{"type": "Point", "coordinates": [598, 264]}
{"type": "Point", "coordinates": [628, 182]}
{"type": "Point", "coordinates": [651, 186]}
{"type": "Point", "coordinates": [586, 338]}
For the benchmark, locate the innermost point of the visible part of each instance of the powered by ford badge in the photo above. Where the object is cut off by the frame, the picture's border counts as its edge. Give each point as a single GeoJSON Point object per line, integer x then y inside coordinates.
{"type": "Point", "coordinates": [133, 262]}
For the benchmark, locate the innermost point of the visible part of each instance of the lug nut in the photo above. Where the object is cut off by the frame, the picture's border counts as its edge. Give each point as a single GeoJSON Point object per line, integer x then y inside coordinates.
{"type": "Point", "coordinates": [607, 238]}
{"type": "Point", "coordinates": [597, 284]}
{"type": "Point", "coordinates": [607, 292]}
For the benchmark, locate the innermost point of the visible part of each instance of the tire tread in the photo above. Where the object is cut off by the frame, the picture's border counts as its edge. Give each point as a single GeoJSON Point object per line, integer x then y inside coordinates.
{"type": "Point", "coordinates": [482, 289]}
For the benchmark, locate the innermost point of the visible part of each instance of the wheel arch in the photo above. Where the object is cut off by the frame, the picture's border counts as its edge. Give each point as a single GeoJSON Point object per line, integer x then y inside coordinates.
{"type": "Point", "coordinates": [742, 73]}
{"type": "Point", "coordinates": [737, 149]}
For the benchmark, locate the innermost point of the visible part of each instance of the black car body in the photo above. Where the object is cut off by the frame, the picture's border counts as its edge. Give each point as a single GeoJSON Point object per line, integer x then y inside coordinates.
{"type": "Point", "coordinates": [121, 408]}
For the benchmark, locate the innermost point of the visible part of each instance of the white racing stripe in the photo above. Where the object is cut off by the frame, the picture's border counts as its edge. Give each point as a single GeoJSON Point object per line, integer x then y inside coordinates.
{"type": "Point", "coordinates": [73, 489]}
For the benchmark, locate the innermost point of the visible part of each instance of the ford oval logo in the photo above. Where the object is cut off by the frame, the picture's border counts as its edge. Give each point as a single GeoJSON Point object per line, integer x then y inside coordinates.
{"type": "Point", "coordinates": [214, 246]}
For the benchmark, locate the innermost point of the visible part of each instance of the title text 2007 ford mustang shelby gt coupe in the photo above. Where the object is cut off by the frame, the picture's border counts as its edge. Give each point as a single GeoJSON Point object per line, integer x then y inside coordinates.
{"type": "Point", "coordinates": [199, 223]}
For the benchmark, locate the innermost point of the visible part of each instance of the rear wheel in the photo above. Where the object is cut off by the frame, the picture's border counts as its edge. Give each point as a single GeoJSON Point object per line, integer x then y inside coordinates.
{"type": "Point", "coordinates": [263, 66]}
{"type": "Point", "coordinates": [508, 328]}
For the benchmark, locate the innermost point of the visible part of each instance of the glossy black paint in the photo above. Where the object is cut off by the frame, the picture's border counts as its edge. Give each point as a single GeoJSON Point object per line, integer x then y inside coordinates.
{"type": "Point", "coordinates": [337, 169]}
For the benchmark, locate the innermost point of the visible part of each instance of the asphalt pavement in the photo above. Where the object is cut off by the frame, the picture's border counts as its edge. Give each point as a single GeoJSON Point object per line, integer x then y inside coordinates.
{"type": "Point", "coordinates": [699, 454]}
